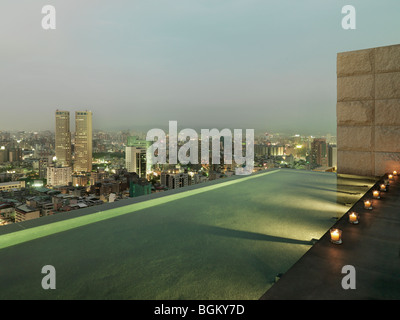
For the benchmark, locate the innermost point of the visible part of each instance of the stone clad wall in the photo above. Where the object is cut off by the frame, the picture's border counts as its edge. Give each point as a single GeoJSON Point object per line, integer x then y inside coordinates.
{"type": "Point", "coordinates": [368, 111]}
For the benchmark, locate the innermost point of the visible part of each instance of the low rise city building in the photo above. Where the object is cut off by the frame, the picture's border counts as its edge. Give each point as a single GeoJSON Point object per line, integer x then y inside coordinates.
{"type": "Point", "coordinates": [59, 176]}
{"type": "Point", "coordinates": [12, 185]}
{"type": "Point", "coordinates": [24, 212]}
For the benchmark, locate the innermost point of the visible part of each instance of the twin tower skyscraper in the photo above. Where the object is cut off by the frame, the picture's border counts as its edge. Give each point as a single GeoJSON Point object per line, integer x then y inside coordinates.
{"type": "Point", "coordinates": [82, 160]}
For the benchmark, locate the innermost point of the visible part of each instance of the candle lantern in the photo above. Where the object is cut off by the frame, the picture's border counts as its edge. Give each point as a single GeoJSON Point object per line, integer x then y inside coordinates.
{"type": "Point", "coordinates": [368, 204]}
{"type": "Point", "coordinates": [390, 176]}
{"type": "Point", "coordinates": [376, 194]}
{"type": "Point", "coordinates": [336, 236]}
{"type": "Point", "coordinates": [353, 217]}
{"type": "Point", "coordinates": [394, 173]}
{"type": "Point", "coordinates": [383, 187]}
{"type": "Point", "coordinates": [386, 181]}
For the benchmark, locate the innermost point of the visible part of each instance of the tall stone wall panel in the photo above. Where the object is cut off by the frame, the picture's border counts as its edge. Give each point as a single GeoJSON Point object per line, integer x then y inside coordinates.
{"type": "Point", "coordinates": [387, 59]}
{"type": "Point", "coordinates": [355, 63]}
{"type": "Point", "coordinates": [352, 88]}
{"type": "Point", "coordinates": [368, 111]}
{"type": "Point", "coordinates": [356, 162]}
{"type": "Point", "coordinates": [356, 138]}
{"type": "Point", "coordinates": [355, 113]}
{"type": "Point", "coordinates": [387, 112]}
{"type": "Point", "coordinates": [387, 85]}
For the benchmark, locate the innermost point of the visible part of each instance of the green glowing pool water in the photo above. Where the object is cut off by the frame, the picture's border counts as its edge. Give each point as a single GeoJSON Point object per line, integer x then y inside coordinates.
{"type": "Point", "coordinates": [223, 241]}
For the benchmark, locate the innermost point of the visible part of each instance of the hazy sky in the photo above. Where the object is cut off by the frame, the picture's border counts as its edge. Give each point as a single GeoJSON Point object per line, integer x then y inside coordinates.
{"type": "Point", "coordinates": [259, 64]}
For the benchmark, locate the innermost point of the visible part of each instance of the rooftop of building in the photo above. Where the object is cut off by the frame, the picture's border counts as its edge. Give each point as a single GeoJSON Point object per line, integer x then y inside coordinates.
{"type": "Point", "coordinates": [226, 239]}
{"type": "Point", "coordinates": [4, 205]}
{"type": "Point", "coordinates": [11, 183]}
{"type": "Point", "coordinates": [25, 208]}
{"type": "Point", "coordinates": [43, 189]}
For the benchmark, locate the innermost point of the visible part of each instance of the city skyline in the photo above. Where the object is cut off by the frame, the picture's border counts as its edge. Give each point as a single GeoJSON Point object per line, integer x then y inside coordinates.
{"type": "Point", "coordinates": [137, 65]}
{"type": "Point", "coordinates": [135, 133]}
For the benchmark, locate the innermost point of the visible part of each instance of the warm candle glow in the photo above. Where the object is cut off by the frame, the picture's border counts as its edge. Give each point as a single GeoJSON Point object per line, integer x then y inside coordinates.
{"type": "Point", "coordinates": [376, 194]}
{"type": "Point", "coordinates": [383, 187]}
{"type": "Point", "coordinates": [395, 173]}
{"type": "Point", "coordinates": [353, 217]}
{"type": "Point", "coordinates": [336, 236]}
{"type": "Point", "coordinates": [367, 204]}
{"type": "Point", "coordinates": [390, 177]}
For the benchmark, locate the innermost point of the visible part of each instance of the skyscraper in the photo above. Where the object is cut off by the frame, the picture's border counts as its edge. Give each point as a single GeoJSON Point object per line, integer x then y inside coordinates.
{"type": "Point", "coordinates": [63, 139]}
{"type": "Point", "coordinates": [133, 141]}
{"type": "Point", "coordinates": [83, 141]}
{"type": "Point", "coordinates": [319, 152]}
{"type": "Point", "coordinates": [135, 161]}
{"type": "Point", "coordinates": [332, 156]}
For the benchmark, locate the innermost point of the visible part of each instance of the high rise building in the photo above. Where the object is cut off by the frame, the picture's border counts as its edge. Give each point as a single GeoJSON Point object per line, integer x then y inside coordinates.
{"type": "Point", "coordinates": [319, 152]}
{"type": "Point", "coordinates": [43, 164]}
{"type": "Point", "coordinates": [3, 154]}
{"type": "Point", "coordinates": [133, 141]}
{"type": "Point", "coordinates": [276, 150]}
{"type": "Point", "coordinates": [63, 139]}
{"type": "Point", "coordinates": [15, 155]}
{"type": "Point", "coordinates": [135, 161]}
{"type": "Point", "coordinates": [59, 176]}
{"type": "Point", "coordinates": [83, 141]}
{"type": "Point", "coordinates": [332, 156]}
{"type": "Point", "coordinates": [260, 150]}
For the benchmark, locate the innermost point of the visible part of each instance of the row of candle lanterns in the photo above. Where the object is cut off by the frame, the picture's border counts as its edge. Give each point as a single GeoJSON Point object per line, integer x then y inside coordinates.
{"type": "Point", "coordinates": [336, 234]}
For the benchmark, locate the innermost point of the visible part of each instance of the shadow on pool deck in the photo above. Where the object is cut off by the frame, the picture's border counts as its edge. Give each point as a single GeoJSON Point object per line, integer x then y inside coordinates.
{"type": "Point", "coordinates": [225, 232]}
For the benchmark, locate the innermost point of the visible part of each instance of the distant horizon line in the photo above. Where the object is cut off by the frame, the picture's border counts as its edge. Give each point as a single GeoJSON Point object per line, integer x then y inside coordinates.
{"type": "Point", "coordinates": [259, 131]}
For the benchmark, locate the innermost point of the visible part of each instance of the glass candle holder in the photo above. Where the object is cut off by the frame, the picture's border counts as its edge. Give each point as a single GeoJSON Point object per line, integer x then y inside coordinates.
{"type": "Point", "coordinates": [336, 236]}
{"type": "Point", "coordinates": [395, 173]}
{"type": "Point", "coordinates": [353, 217]}
{"type": "Point", "coordinates": [390, 176]}
{"type": "Point", "coordinates": [368, 204]}
{"type": "Point", "coordinates": [382, 187]}
{"type": "Point", "coordinates": [376, 194]}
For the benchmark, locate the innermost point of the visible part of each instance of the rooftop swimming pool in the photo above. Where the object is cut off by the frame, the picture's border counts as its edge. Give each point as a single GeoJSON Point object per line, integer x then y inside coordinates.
{"type": "Point", "coordinates": [222, 240]}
